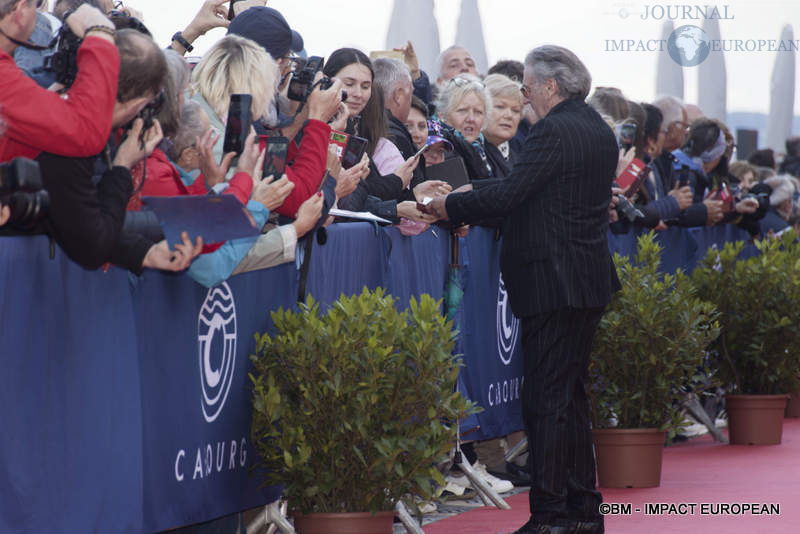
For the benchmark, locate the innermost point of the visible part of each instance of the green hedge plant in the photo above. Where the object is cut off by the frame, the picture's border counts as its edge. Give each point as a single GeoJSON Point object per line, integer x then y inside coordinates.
{"type": "Point", "coordinates": [759, 301]}
{"type": "Point", "coordinates": [649, 345]}
{"type": "Point", "coordinates": [353, 408]}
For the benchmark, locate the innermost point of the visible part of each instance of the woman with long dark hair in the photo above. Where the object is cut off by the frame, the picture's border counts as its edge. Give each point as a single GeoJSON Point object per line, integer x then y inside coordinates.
{"type": "Point", "coordinates": [367, 119]}
{"type": "Point", "coordinates": [385, 195]}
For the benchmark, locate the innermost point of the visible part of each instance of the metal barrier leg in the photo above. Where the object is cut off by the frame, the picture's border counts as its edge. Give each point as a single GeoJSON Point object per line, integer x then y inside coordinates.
{"type": "Point", "coordinates": [411, 524]}
{"type": "Point", "coordinates": [488, 495]}
{"type": "Point", "coordinates": [517, 449]}
{"type": "Point", "coordinates": [697, 411]}
{"type": "Point", "coordinates": [275, 516]}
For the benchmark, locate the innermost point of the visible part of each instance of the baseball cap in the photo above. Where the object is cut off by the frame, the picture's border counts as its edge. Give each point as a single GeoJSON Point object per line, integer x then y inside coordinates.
{"type": "Point", "coordinates": [267, 27]}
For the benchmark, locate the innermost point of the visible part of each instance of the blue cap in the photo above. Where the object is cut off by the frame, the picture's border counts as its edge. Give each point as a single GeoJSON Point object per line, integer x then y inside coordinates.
{"type": "Point", "coordinates": [267, 27]}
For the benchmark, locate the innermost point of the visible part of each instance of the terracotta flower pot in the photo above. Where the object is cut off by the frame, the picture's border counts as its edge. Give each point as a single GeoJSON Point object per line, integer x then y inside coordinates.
{"type": "Point", "coordinates": [344, 523]}
{"type": "Point", "coordinates": [628, 457]}
{"type": "Point", "coordinates": [755, 419]}
{"type": "Point", "coordinates": [793, 406]}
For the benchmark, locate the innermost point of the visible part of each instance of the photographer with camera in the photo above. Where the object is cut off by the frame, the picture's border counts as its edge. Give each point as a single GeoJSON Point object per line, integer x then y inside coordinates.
{"type": "Point", "coordinates": [89, 195]}
{"type": "Point", "coordinates": [39, 120]}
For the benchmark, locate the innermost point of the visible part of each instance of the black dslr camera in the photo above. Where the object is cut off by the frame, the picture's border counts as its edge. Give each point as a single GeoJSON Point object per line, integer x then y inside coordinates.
{"type": "Point", "coordinates": [64, 62]}
{"type": "Point", "coordinates": [21, 189]}
{"type": "Point", "coordinates": [302, 84]}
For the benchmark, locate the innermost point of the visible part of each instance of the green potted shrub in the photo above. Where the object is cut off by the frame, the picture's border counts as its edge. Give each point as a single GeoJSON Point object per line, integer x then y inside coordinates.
{"type": "Point", "coordinates": [649, 345]}
{"type": "Point", "coordinates": [353, 408]}
{"type": "Point", "coordinates": [756, 353]}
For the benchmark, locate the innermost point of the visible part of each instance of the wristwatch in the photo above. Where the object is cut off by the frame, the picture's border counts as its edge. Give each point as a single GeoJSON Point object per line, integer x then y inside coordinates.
{"type": "Point", "coordinates": [178, 38]}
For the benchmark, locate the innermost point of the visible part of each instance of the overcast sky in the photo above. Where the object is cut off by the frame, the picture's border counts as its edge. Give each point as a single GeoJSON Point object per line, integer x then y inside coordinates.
{"type": "Point", "coordinates": [513, 27]}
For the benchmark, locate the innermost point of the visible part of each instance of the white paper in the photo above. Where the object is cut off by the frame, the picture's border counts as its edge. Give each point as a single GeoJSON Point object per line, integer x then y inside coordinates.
{"type": "Point", "coordinates": [361, 215]}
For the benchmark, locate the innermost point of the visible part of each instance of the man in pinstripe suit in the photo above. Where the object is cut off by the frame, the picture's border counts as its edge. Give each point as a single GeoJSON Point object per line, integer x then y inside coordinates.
{"type": "Point", "coordinates": [559, 276]}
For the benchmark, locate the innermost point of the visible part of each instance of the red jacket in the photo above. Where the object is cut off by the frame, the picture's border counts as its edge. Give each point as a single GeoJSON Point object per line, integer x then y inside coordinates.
{"type": "Point", "coordinates": [163, 180]}
{"type": "Point", "coordinates": [309, 165]}
{"type": "Point", "coordinates": [77, 125]}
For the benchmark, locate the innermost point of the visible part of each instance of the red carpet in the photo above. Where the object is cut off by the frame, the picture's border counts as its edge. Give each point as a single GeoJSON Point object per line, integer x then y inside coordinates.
{"type": "Point", "coordinates": [700, 471]}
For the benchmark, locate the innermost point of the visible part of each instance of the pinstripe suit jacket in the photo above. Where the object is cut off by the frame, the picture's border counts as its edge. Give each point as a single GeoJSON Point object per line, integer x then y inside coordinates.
{"type": "Point", "coordinates": [555, 208]}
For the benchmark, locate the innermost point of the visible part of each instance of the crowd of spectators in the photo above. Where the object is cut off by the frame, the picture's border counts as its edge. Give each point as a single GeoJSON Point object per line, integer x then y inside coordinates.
{"type": "Point", "coordinates": [139, 120]}
{"type": "Point", "coordinates": [97, 163]}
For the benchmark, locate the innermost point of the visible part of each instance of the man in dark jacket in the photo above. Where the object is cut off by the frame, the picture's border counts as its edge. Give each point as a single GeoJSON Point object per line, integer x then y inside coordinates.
{"type": "Point", "coordinates": [559, 275]}
{"type": "Point", "coordinates": [394, 78]}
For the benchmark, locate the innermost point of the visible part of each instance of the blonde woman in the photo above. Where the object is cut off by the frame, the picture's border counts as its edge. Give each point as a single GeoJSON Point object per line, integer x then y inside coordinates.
{"type": "Point", "coordinates": [504, 118]}
{"type": "Point", "coordinates": [236, 65]}
{"type": "Point", "coordinates": [463, 106]}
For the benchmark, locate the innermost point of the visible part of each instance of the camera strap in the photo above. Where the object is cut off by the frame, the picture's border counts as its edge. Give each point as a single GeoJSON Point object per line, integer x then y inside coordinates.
{"type": "Point", "coordinates": [303, 103]}
{"type": "Point", "coordinates": [25, 44]}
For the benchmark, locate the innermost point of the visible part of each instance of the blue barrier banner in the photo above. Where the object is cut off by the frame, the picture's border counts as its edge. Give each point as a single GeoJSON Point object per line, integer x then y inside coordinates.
{"type": "Point", "coordinates": [492, 339]}
{"type": "Point", "coordinates": [198, 455]}
{"type": "Point", "coordinates": [355, 255]}
{"type": "Point", "coordinates": [71, 447]}
{"type": "Point", "coordinates": [417, 264]}
{"type": "Point", "coordinates": [126, 401]}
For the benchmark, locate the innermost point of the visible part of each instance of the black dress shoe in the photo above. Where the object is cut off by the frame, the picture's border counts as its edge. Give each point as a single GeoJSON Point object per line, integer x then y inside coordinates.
{"type": "Point", "coordinates": [589, 527]}
{"type": "Point", "coordinates": [542, 528]}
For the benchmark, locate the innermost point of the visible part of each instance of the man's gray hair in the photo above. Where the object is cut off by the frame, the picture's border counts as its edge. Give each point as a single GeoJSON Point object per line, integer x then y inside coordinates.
{"type": "Point", "coordinates": [440, 59]}
{"type": "Point", "coordinates": [560, 64]}
{"type": "Point", "coordinates": [671, 107]}
{"type": "Point", "coordinates": [782, 189]}
{"type": "Point", "coordinates": [6, 6]}
{"type": "Point", "coordinates": [390, 74]}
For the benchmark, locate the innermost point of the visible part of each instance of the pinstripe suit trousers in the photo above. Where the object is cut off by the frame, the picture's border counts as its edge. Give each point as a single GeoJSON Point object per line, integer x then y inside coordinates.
{"type": "Point", "coordinates": [557, 347]}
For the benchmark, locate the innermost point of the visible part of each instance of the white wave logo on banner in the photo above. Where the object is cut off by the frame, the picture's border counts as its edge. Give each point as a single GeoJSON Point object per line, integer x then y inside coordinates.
{"type": "Point", "coordinates": [507, 325]}
{"type": "Point", "coordinates": [216, 322]}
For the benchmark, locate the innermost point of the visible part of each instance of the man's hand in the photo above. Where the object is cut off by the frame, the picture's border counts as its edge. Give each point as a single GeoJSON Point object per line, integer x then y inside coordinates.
{"type": "Point", "coordinates": [613, 216]}
{"type": "Point", "coordinates": [323, 105]}
{"type": "Point", "coordinates": [409, 210]}
{"type": "Point", "coordinates": [87, 16]}
{"type": "Point", "coordinates": [161, 257]}
{"type": "Point", "coordinates": [211, 15]}
{"type": "Point", "coordinates": [431, 188]}
{"type": "Point", "coordinates": [748, 205]}
{"type": "Point", "coordinates": [714, 211]}
{"type": "Point", "coordinates": [272, 194]}
{"type": "Point", "coordinates": [683, 195]}
{"type": "Point", "coordinates": [5, 214]}
{"type": "Point", "coordinates": [462, 231]}
{"type": "Point", "coordinates": [406, 171]}
{"type": "Point", "coordinates": [410, 57]}
{"type": "Point", "coordinates": [438, 209]}
{"type": "Point", "coordinates": [131, 152]}
{"type": "Point", "coordinates": [212, 171]}
{"type": "Point", "coordinates": [309, 213]}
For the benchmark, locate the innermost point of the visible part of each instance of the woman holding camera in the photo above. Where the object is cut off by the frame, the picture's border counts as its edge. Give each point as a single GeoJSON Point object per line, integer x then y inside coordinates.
{"type": "Point", "coordinates": [236, 65]}
{"type": "Point", "coordinates": [381, 194]}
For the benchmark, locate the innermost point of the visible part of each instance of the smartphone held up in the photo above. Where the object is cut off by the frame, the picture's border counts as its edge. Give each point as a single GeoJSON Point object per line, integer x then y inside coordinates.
{"type": "Point", "coordinates": [239, 122]}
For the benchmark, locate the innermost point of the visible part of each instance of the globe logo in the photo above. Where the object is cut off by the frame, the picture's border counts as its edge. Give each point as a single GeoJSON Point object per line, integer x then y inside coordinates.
{"type": "Point", "coordinates": [689, 46]}
{"type": "Point", "coordinates": [623, 13]}
{"type": "Point", "coordinates": [216, 337]}
{"type": "Point", "coordinates": [507, 326]}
